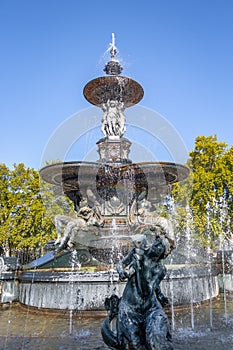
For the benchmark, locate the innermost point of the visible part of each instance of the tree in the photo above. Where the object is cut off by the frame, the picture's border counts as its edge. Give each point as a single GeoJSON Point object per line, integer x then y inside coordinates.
{"type": "Point", "coordinates": [207, 190]}
{"type": "Point", "coordinates": [5, 208]}
{"type": "Point", "coordinates": [26, 223]}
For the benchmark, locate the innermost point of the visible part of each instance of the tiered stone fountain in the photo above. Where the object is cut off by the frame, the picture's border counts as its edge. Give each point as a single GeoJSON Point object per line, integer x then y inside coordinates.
{"type": "Point", "coordinates": [113, 198]}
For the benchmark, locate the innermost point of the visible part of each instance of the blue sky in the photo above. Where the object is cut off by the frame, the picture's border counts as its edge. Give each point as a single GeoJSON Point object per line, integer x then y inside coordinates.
{"type": "Point", "coordinates": [180, 51]}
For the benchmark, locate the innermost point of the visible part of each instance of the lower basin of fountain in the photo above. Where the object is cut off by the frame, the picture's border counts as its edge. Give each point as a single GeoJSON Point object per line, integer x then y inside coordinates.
{"type": "Point", "coordinates": [78, 290]}
{"type": "Point", "coordinates": [23, 328]}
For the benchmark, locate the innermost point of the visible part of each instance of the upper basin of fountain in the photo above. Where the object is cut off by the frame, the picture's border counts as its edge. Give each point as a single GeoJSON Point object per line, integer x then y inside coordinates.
{"type": "Point", "coordinates": [113, 87]}
{"type": "Point", "coordinates": [117, 88]}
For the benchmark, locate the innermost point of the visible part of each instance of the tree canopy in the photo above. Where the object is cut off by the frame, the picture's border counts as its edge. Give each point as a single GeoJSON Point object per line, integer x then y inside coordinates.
{"type": "Point", "coordinates": [207, 191]}
{"type": "Point", "coordinates": [25, 219]}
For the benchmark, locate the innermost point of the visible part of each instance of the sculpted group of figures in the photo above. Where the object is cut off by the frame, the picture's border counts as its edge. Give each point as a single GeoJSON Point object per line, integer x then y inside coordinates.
{"type": "Point", "coordinates": [73, 231]}
{"type": "Point", "coordinates": [113, 121]}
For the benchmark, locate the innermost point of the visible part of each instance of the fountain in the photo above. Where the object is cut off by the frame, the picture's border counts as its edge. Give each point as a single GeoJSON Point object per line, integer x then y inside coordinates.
{"type": "Point", "coordinates": [116, 224]}
{"type": "Point", "coordinates": [113, 202]}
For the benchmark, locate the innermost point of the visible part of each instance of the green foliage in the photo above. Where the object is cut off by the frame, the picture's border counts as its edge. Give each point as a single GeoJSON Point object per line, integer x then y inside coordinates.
{"type": "Point", "coordinates": [25, 223]}
{"type": "Point", "coordinates": [206, 190]}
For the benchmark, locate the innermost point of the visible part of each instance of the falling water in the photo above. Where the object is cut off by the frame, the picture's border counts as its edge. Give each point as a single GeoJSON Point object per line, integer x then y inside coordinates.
{"type": "Point", "coordinates": [208, 216]}
{"type": "Point", "coordinates": [8, 326]}
{"type": "Point", "coordinates": [223, 218]}
{"type": "Point", "coordinates": [27, 317]}
{"type": "Point", "coordinates": [191, 302]}
{"type": "Point", "coordinates": [111, 270]}
{"type": "Point", "coordinates": [170, 204]}
{"type": "Point", "coordinates": [224, 278]}
{"type": "Point", "coordinates": [189, 245]}
{"type": "Point", "coordinates": [74, 263]}
{"type": "Point", "coordinates": [110, 258]}
{"type": "Point", "coordinates": [172, 305]}
{"type": "Point", "coordinates": [113, 230]}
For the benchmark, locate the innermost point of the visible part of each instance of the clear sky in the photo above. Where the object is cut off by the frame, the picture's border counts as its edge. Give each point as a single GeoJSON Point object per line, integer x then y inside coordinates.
{"type": "Point", "coordinates": [181, 52]}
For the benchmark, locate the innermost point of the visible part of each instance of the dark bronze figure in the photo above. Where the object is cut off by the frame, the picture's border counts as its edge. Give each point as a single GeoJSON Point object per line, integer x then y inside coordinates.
{"type": "Point", "coordinates": [141, 322]}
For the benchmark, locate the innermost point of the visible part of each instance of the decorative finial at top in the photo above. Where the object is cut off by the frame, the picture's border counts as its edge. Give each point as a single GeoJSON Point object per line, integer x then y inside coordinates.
{"type": "Point", "coordinates": [113, 49]}
{"type": "Point", "coordinates": [113, 67]}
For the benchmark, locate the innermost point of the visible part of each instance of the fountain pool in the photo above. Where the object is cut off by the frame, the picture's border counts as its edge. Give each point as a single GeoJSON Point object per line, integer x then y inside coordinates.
{"type": "Point", "coordinates": [23, 328]}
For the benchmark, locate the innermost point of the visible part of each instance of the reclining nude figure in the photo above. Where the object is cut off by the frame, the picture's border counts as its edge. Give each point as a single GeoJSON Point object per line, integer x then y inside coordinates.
{"type": "Point", "coordinates": [69, 229]}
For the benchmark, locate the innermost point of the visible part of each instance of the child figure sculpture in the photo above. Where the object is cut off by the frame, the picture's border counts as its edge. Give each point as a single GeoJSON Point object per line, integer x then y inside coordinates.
{"type": "Point", "coordinates": [141, 321]}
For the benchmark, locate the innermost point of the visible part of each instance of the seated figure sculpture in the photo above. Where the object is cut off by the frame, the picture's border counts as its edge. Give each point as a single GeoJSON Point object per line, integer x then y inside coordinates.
{"type": "Point", "coordinates": [143, 218]}
{"type": "Point", "coordinates": [141, 321]}
{"type": "Point", "coordinates": [88, 220]}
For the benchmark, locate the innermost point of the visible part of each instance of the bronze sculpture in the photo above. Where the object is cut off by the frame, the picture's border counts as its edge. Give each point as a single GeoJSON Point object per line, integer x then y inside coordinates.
{"type": "Point", "coordinates": [141, 321]}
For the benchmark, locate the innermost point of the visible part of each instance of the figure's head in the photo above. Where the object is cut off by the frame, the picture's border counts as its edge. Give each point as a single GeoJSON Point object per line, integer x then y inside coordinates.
{"type": "Point", "coordinates": [145, 204]}
{"type": "Point", "coordinates": [158, 248]}
{"type": "Point", "coordinates": [161, 247]}
{"type": "Point", "coordinates": [112, 103]}
{"type": "Point", "coordinates": [141, 211]}
{"type": "Point", "coordinates": [96, 220]}
{"type": "Point", "coordinates": [83, 202]}
{"type": "Point", "coordinates": [85, 213]}
{"type": "Point", "coordinates": [139, 241]}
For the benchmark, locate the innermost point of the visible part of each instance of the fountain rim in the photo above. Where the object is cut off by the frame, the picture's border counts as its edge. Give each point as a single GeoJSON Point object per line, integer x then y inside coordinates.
{"type": "Point", "coordinates": [181, 172]}
{"type": "Point", "coordinates": [174, 273]}
{"type": "Point", "coordinates": [68, 173]}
